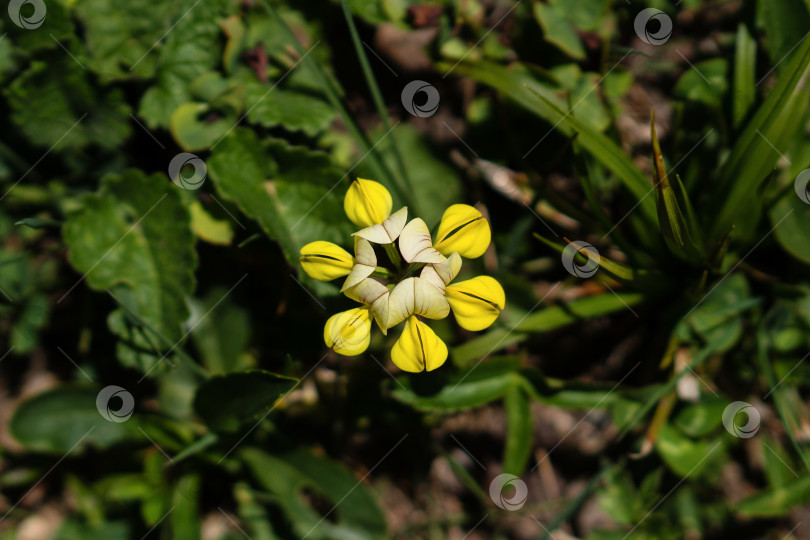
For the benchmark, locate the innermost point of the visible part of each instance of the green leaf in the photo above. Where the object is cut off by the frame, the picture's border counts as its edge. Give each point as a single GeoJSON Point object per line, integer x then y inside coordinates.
{"type": "Point", "coordinates": [717, 321]}
{"type": "Point", "coordinates": [54, 103]}
{"type": "Point", "coordinates": [519, 424]}
{"type": "Point", "coordinates": [354, 512]}
{"type": "Point", "coordinates": [292, 192]}
{"type": "Point", "coordinates": [269, 107]}
{"type": "Point", "coordinates": [786, 24]}
{"type": "Point", "coordinates": [752, 158]}
{"type": "Point", "coordinates": [776, 502]}
{"type": "Point", "coordinates": [704, 82]}
{"type": "Point", "coordinates": [220, 335]}
{"type": "Point", "coordinates": [700, 419]}
{"type": "Point", "coordinates": [675, 216]}
{"type": "Point", "coordinates": [66, 418]}
{"type": "Point", "coordinates": [475, 387]}
{"type": "Point", "coordinates": [226, 402]}
{"type": "Point", "coordinates": [790, 217]}
{"type": "Point", "coordinates": [191, 49]}
{"type": "Point", "coordinates": [686, 457]}
{"type": "Point", "coordinates": [185, 518]}
{"type": "Point", "coordinates": [192, 129]}
{"type": "Point", "coordinates": [558, 31]}
{"type": "Point", "coordinates": [119, 36]}
{"type": "Point", "coordinates": [745, 91]}
{"type": "Point", "coordinates": [133, 236]}
{"type": "Point", "coordinates": [581, 309]}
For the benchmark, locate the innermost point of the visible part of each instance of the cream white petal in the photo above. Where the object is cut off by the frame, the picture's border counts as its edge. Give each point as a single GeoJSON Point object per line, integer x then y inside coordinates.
{"type": "Point", "coordinates": [415, 244]}
{"type": "Point", "coordinates": [441, 274]}
{"type": "Point", "coordinates": [416, 296]}
{"type": "Point", "coordinates": [372, 293]}
{"type": "Point", "coordinates": [365, 262]}
{"type": "Point", "coordinates": [387, 231]}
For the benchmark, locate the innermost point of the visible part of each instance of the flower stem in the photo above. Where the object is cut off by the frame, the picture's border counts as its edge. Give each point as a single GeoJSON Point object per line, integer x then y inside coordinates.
{"type": "Point", "coordinates": [393, 254]}
{"type": "Point", "coordinates": [382, 272]}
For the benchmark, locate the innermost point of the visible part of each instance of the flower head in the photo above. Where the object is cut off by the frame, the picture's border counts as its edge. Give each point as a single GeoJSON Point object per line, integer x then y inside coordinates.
{"type": "Point", "coordinates": [391, 296]}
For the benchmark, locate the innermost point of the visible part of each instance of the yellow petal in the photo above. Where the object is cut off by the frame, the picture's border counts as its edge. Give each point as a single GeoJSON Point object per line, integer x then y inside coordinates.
{"type": "Point", "coordinates": [463, 229]}
{"type": "Point", "coordinates": [476, 302]}
{"type": "Point", "coordinates": [325, 261]}
{"type": "Point", "coordinates": [365, 262]}
{"type": "Point", "coordinates": [442, 273]}
{"type": "Point", "coordinates": [418, 348]}
{"type": "Point", "coordinates": [415, 244]}
{"type": "Point", "coordinates": [349, 332]}
{"type": "Point", "coordinates": [374, 294]}
{"type": "Point", "coordinates": [387, 231]}
{"type": "Point", "coordinates": [416, 296]}
{"type": "Point", "coordinates": [367, 202]}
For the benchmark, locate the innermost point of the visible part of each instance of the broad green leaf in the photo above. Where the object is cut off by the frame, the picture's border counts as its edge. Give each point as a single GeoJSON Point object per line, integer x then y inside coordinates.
{"type": "Point", "coordinates": [473, 387]}
{"type": "Point", "coordinates": [777, 501]}
{"type": "Point", "coordinates": [221, 331]}
{"type": "Point", "coordinates": [119, 36]}
{"type": "Point", "coordinates": [686, 457]}
{"type": "Point", "coordinates": [524, 89]}
{"type": "Point", "coordinates": [133, 236]}
{"type": "Point", "coordinates": [192, 128]}
{"type": "Point", "coordinates": [295, 194]}
{"type": "Point", "coordinates": [700, 419]}
{"type": "Point", "coordinates": [558, 31]}
{"type": "Point", "coordinates": [705, 82]}
{"type": "Point", "coordinates": [569, 395]}
{"type": "Point", "coordinates": [66, 418]}
{"type": "Point", "coordinates": [753, 156]}
{"type": "Point", "coordinates": [354, 512]}
{"type": "Point", "coordinates": [102, 531]}
{"type": "Point", "coordinates": [55, 103]}
{"type": "Point", "coordinates": [494, 340]}
{"type": "Point", "coordinates": [519, 424]}
{"type": "Point", "coordinates": [716, 321]}
{"type": "Point", "coordinates": [744, 90]}
{"type": "Point", "coordinates": [208, 228]}
{"type": "Point", "coordinates": [269, 107]}
{"type": "Point", "coordinates": [791, 218]}
{"type": "Point", "coordinates": [190, 50]}
{"type": "Point", "coordinates": [225, 402]}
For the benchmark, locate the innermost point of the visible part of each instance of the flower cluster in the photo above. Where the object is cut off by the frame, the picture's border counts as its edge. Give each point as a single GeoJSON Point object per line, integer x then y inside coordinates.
{"type": "Point", "coordinates": [390, 296]}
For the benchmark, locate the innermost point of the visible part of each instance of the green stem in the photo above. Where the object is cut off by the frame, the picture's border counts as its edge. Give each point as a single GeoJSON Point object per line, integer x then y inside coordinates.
{"type": "Point", "coordinates": [381, 272]}
{"type": "Point", "coordinates": [331, 90]}
{"type": "Point", "coordinates": [393, 254]}
{"type": "Point", "coordinates": [376, 95]}
{"type": "Point", "coordinates": [412, 269]}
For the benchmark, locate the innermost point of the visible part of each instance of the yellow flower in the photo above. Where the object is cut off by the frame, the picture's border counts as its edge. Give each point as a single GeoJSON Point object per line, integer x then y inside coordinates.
{"type": "Point", "coordinates": [367, 203]}
{"type": "Point", "coordinates": [391, 296]}
{"type": "Point", "coordinates": [325, 261]}
{"type": "Point", "coordinates": [418, 348]}
{"type": "Point", "coordinates": [476, 303]}
{"type": "Point", "coordinates": [463, 229]}
{"type": "Point", "coordinates": [349, 332]}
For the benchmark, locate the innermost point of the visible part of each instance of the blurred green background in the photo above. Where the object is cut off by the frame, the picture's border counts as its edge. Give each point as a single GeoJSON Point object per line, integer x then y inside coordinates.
{"type": "Point", "coordinates": [162, 367]}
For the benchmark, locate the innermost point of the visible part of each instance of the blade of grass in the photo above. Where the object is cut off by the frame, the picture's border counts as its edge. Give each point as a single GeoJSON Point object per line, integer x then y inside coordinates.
{"type": "Point", "coordinates": [376, 95]}
{"type": "Point", "coordinates": [332, 90]}
{"type": "Point", "coordinates": [758, 149]}
{"type": "Point", "coordinates": [745, 56]}
{"type": "Point", "coordinates": [519, 88]}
